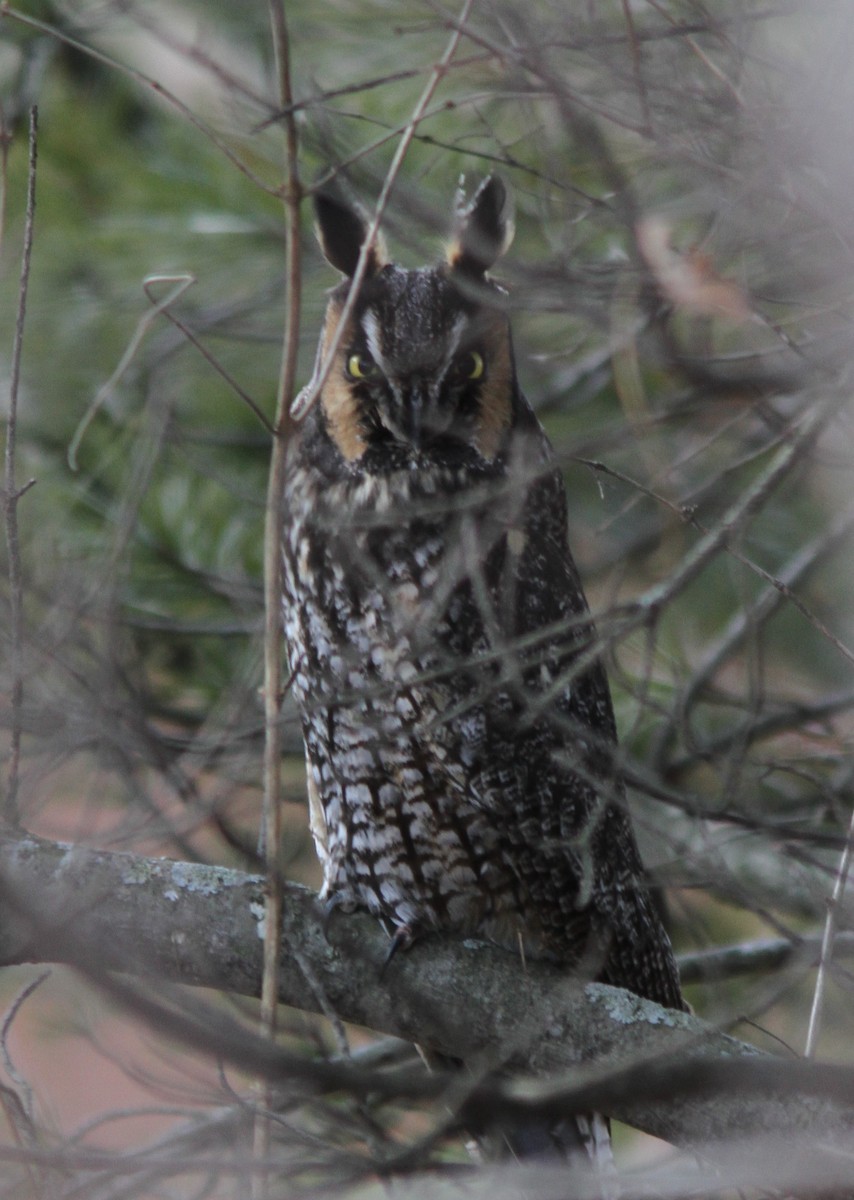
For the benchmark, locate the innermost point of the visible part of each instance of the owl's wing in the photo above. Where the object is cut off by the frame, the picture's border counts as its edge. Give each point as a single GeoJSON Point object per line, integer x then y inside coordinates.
{"type": "Point", "coordinates": [545, 762]}
{"type": "Point", "coordinates": [546, 703]}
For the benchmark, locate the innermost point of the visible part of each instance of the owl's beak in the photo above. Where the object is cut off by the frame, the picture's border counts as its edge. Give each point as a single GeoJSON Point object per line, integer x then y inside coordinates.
{"type": "Point", "coordinates": [414, 414]}
{"type": "Point", "coordinates": [422, 417]}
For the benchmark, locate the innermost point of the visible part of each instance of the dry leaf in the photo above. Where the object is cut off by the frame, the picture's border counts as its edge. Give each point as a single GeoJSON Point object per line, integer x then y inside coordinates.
{"type": "Point", "coordinates": [688, 280]}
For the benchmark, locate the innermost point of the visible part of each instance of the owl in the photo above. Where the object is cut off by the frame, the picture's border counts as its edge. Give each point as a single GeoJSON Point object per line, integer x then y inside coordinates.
{"type": "Point", "coordinates": [459, 735]}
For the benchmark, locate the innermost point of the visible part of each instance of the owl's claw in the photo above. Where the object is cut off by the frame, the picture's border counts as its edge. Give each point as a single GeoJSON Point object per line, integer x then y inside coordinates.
{"type": "Point", "coordinates": [336, 900]}
{"type": "Point", "coordinates": [403, 938]}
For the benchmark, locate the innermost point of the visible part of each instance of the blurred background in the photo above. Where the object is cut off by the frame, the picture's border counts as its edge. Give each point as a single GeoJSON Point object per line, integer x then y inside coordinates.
{"type": "Point", "coordinates": [681, 287]}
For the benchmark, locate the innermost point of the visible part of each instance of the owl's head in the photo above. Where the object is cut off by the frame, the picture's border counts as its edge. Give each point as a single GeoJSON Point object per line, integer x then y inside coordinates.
{"type": "Point", "coordinates": [425, 363]}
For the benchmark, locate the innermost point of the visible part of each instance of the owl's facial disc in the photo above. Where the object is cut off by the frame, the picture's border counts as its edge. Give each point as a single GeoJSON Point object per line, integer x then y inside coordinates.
{"type": "Point", "coordinates": [423, 367]}
{"type": "Point", "coordinates": [417, 360]}
{"type": "Point", "coordinates": [417, 407]}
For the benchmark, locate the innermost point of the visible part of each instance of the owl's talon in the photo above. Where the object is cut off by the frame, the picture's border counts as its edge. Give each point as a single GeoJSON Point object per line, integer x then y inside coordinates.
{"type": "Point", "coordinates": [403, 938]}
{"type": "Point", "coordinates": [335, 901]}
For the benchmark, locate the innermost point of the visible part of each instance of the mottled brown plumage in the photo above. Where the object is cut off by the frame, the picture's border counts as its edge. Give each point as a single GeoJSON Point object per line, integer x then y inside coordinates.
{"type": "Point", "coordinates": [459, 736]}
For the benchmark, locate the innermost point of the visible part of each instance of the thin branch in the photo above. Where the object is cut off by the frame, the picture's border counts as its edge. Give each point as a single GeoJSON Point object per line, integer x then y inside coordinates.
{"type": "Point", "coordinates": [164, 308]}
{"type": "Point", "coordinates": [18, 1106]}
{"type": "Point", "coordinates": [637, 66]}
{"type": "Point", "coordinates": [365, 85]}
{"type": "Point", "coordinates": [308, 396]}
{"type": "Point", "coordinates": [685, 32]}
{"type": "Point", "coordinates": [179, 285]}
{"type": "Point", "coordinates": [649, 605]}
{"type": "Point", "coordinates": [759, 956]}
{"type": "Point", "coordinates": [11, 494]}
{"type": "Point", "coordinates": [827, 943]}
{"type": "Point", "coordinates": [144, 81]}
{"type": "Point", "coordinates": [747, 505]}
{"type": "Point", "coordinates": [273, 689]}
{"type": "Point", "coordinates": [789, 718]}
{"type": "Point", "coordinates": [191, 51]}
{"type": "Point", "coordinates": [8, 1020]}
{"type": "Point", "coordinates": [764, 606]}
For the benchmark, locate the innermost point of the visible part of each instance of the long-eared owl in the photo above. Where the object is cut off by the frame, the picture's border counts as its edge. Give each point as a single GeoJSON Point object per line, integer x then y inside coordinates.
{"type": "Point", "coordinates": [459, 734]}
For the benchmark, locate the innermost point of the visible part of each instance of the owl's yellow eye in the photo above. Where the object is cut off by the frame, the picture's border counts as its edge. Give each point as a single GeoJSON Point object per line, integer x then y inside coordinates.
{"type": "Point", "coordinates": [470, 366]}
{"type": "Point", "coordinates": [361, 366]}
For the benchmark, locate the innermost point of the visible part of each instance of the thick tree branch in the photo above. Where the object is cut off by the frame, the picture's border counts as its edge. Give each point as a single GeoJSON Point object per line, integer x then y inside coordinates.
{"type": "Point", "coordinates": [662, 1071]}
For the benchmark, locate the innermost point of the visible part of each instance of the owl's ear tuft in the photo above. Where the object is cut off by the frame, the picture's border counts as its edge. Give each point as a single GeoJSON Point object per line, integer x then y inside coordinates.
{"type": "Point", "coordinates": [341, 231]}
{"type": "Point", "coordinates": [484, 229]}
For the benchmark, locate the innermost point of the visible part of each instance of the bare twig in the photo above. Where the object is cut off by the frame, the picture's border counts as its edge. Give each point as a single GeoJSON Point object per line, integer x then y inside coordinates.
{"type": "Point", "coordinates": [5, 145]}
{"type": "Point", "coordinates": [164, 308]}
{"type": "Point", "coordinates": [761, 955]}
{"type": "Point", "coordinates": [273, 689]}
{"type": "Point", "coordinates": [365, 85]}
{"type": "Point", "coordinates": [146, 82]}
{"type": "Point", "coordinates": [778, 591]}
{"type": "Point", "coordinates": [637, 66]}
{"type": "Point", "coordinates": [8, 1020]}
{"type": "Point", "coordinates": [685, 31]}
{"type": "Point", "coordinates": [12, 494]}
{"type": "Point", "coordinates": [308, 396]}
{"type": "Point", "coordinates": [18, 1105]}
{"type": "Point", "coordinates": [827, 943]}
{"type": "Point", "coordinates": [178, 285]}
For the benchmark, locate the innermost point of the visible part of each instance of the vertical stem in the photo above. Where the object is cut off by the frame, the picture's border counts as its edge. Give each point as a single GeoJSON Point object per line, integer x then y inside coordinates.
{"type": "Point", "coordinates": [637, 66]}
{"type": "Point", "coordinates": [11, 494]}
{"type": "Point", "coordinates": [291, 195]}
{"type": "Point", "coordinates": [827, 941]}
{"type": "Point", "coordinates": [310, 394]}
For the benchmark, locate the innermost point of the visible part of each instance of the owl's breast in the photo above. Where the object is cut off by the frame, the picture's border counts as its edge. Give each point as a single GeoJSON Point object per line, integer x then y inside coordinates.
{"type": "Point", "coordinates": [397, 823]}
{"type": "Point", "coordinates": [364, 588]}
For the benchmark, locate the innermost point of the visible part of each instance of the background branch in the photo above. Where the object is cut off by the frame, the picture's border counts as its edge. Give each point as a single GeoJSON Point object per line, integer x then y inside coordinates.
{"type": "Point", "coordinates": [11, 493]}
